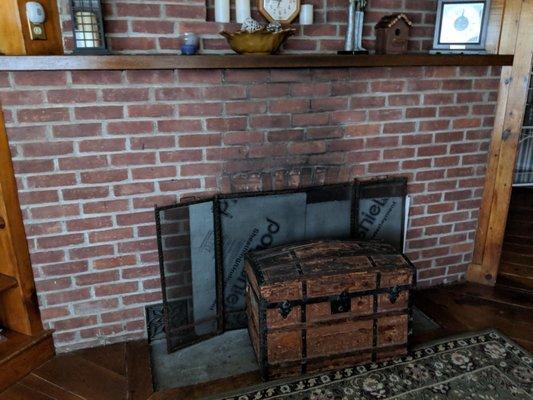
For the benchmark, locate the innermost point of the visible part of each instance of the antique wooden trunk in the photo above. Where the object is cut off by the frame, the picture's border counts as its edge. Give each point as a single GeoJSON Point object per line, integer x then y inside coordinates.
{"type": "Point", "coordinates": [327, 304]}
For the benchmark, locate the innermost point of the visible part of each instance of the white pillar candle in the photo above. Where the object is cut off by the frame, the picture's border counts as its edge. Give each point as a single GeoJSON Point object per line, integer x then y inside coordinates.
{"type": "Point", "coordinates": [306, 14]}
{"type": "Point", "coordinates": [242, 10]}
{"type": "Point", "coordinates": [222, 11]}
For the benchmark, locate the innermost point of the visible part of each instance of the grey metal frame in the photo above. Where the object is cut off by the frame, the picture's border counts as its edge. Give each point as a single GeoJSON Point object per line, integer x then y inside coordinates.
{"type": "Point", "coordinates": [469, 48]}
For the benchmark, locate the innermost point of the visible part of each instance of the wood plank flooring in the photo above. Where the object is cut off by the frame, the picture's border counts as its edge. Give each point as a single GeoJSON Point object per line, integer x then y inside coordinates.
{"type": "Point", "coordinates": [457, 309]}
{"type": "Point", "coordinates": [122, 371]}
{"type": "Point", "coordinates": [516, 264]}
{"type": "Point", "coordinates": [115, 372]}
{"type": "Point", "coordinates": [471, 307]}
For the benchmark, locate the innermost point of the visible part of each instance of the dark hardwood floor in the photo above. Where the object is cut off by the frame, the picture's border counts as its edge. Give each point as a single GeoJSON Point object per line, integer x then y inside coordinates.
{"type": "Point", "coordinates": [470, 307]}
{"type": "Point", "coordinates": [516, 265]}
{"type": "Point", "coordinates": [115, 372]}
{"type": "Point", "coordinates": [122, 371]}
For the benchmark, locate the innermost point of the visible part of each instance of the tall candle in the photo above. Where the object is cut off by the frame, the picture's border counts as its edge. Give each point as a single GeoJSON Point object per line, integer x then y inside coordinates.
{"type": "Point", "coordinates": [306, 14]}
{"type": "Point", "coordinates": [242, 10]}
{"type": "Point", "coordinates": [222, 10]}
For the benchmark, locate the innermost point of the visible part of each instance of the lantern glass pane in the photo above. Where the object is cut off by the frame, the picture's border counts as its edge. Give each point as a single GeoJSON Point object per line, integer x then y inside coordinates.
{"type": "Point", "coordinates": [87, 25]}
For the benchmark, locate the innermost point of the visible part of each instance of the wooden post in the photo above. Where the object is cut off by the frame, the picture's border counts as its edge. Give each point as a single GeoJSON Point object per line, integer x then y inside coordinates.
{"type": "Point", "coordinates": [512, 98]}
{"type": "Point", "coordinates": [25, 344]}
{"type": "Point", "coordinates": [19, 310]}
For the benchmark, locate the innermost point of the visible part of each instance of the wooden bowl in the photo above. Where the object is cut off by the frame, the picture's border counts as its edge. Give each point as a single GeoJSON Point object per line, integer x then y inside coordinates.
{"type": "Point", "coordinates": [258, 42]}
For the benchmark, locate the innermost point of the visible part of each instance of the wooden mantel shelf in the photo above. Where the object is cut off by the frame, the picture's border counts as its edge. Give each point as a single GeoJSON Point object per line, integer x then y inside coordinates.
{"type": "Point", "coordinates": [127, 62]}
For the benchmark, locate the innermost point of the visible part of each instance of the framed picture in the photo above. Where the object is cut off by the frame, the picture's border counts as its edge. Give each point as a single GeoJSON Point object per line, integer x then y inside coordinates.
{"type": "Point", "coordinates": [461, 26]}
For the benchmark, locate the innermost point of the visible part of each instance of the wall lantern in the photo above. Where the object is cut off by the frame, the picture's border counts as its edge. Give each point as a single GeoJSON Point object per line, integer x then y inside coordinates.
{"type": "Point", "coordinates": [88, 27]}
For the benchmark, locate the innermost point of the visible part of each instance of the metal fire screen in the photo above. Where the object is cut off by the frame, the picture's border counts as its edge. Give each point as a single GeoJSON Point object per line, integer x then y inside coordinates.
{"type": "Point", "coordinates": [202, 244]}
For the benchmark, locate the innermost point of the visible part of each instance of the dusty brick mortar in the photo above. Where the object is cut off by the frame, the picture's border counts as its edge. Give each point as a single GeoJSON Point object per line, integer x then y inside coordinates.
{"type": "Point", "coordinates": [94, 151]}
{"type": "Point", "coordinates": [153, 26]}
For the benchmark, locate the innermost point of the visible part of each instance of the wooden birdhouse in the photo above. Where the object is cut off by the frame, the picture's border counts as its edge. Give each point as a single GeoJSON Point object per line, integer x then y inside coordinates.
{"type": "Point", "coordinates": [392, 34]}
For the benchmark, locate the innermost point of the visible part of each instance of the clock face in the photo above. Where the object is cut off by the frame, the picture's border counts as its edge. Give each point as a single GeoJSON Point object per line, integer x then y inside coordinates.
{"type": "Point", "coordinates": [461, 23]}
{"type": "Point", "coordinates": [280, 10]}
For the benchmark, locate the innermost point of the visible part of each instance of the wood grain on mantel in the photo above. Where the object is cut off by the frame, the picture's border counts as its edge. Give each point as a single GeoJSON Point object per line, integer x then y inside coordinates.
{"type": "Point", "coordinates": [131, 62]}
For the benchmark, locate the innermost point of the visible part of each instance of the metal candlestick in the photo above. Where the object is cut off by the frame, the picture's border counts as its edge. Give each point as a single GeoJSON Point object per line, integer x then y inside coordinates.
{"type": "Point", "coordinates": [354, 30]}
{"type": "Point", "coordinates": [350, 28]}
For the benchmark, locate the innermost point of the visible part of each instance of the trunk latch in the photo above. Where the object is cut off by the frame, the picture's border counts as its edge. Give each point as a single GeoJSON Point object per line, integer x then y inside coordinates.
{"type": "Point", "coordinates": [285, 309]}
{"type": "Point", "coordinates": [393, 294]}
{"type": "Point", "coordinates": [341, 303]}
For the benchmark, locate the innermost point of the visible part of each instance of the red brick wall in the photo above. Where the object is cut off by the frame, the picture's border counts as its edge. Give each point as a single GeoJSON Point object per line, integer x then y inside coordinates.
{"type": "Point", "coordinates": [94, 151]}
{"type": "Point", "coordinates": [153, 26]}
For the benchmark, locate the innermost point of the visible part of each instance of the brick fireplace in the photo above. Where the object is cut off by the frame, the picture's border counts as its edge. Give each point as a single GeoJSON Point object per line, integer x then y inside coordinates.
{"type": "Point", "coordinates": [94, 151]}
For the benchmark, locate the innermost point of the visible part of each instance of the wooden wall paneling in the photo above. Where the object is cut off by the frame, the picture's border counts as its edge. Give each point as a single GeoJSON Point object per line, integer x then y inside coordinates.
{"type": "Point", "coordinates": [54, 42]}
{"type": "Point", "coordinates": [13, 312]}
{"type": "Point", "coordinates": [492, 165]}
{"type": "Point", "coordinates": [14, 32]}
{"type": "Point", "coordinates": [20, 354]}
{"type": "Point", "coordinates": [509, 27]}
{"type": "Point", "coordinates": [501, 166]}
{"type": "Point", "coordinates": [495, 26]}
{"type": "Point", "coordinates": [11, 39]}
{"type": "Point", "coordinates": [19, 306]}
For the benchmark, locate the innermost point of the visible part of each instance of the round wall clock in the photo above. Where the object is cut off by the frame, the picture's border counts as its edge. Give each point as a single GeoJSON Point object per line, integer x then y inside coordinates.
{"type": "Point", "coordinates": [284, 11]}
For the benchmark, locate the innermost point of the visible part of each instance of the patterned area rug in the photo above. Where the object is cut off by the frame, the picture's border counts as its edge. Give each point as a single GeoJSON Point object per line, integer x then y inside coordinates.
{"type": "Point", "coordinates": [483, 366]}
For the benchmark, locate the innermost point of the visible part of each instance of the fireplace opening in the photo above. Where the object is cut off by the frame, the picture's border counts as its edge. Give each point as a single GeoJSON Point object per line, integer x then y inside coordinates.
{"type": "Point", "coordinates": [202, 246]}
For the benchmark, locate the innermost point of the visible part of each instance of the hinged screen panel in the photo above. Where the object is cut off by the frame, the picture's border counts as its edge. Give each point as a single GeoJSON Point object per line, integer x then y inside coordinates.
{"type": "Point", "coordinates": [380, 213]}
{"type": "Point", "coordinates": [187, 251]}
{"type": "Point", "coordinates": [260, 220]}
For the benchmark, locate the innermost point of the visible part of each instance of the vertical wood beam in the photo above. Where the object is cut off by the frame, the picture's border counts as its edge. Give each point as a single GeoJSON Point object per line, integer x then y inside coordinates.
{"type": "Point", "coordinates": [19, 310]}
{"type": "Point", "coordinates": [512, 98]}
{"type": "Point", "coordinates": [509, 27]}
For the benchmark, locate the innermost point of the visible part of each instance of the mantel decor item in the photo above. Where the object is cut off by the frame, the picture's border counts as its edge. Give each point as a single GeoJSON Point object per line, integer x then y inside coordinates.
{"type": "Point", "coordinates": [242, 10]}
{"type": "Point", "coordinates": [306, 14]}
{"type": "Point", "coordinates": [190, 43]}
{"type": "Point", "coordinates": [461, 26]}
{"type": "Point", "coordinates": [354, 30]}
{"type": "Point", "coordinates": [392, 34]}
{"type": "Point", "coordinates": [222, 11]}
{"type": "Point", "coordinates": [253, 38]}
{"type": "Point", "coordinates": [88, 27]}
{"type": "Point", "coordinates": [284, 11]}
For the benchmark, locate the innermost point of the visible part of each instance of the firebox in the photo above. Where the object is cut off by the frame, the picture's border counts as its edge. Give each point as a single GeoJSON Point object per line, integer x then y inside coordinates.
{"type": "Point", "coordinates": [202, 244]}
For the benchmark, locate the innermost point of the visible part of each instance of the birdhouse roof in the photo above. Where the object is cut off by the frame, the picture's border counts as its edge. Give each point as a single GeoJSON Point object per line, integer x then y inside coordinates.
{"type": "Point", "coordinates": [391, 20]}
